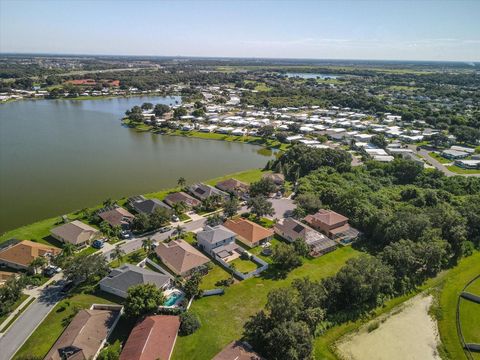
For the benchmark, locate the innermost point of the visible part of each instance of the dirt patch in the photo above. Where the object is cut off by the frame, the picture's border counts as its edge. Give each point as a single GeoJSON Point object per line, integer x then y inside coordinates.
{"type": "Point", "coordinates": [407, 332]}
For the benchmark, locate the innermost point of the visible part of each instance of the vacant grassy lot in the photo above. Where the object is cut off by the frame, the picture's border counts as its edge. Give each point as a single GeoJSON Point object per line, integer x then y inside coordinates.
{"type": "Point", "coordinates": [222, 317]}
{"type": "Point", "coordinates": [43, 338]}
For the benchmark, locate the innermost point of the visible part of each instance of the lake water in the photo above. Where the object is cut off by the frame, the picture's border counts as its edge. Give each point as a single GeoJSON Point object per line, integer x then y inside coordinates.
{"type": "Point", "coordinates": [57, 156]}
{"type": "Point", "coordinates": [312, 75]}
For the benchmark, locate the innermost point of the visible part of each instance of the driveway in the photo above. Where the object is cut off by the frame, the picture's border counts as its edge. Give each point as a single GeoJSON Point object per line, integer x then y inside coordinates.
{"type": "Point", "coordinates": [136, 243]}
{"type": "Point", "coordinates": [28, 321]}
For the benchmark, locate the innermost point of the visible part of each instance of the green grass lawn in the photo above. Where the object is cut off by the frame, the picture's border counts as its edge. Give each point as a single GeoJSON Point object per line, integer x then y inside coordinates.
{"type": "Point", "coordinates": [17, 303]}
{"type": "Point", "coordinates": [43, 338]}
{"type": "Point", "coordinates": [222, 317]}
{"type": "Point", "coordinates": [132, 258]}
{"type": "Point", "coordinates": [439, 158]}
{"type": "Point", "coordinates": [244, 266]}
{"type": "Point", "coordinates": [87, 251]}
{"type": "Point", "coordinates": [470, 321]}
{"type": "Point", "coordinates": [474, 287]}
{"type": "Point", "coordinates": [216, 274]}
{"type": "Point", "coordinates": [460, 170]}
{"type": "Point", "coordinates": [450, 290]}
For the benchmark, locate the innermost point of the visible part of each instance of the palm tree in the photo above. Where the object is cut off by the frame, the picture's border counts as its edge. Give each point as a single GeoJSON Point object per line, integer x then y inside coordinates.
{"type": "Point", "coordinates": [181, 181]}
{"type": "Point", "coordinates": [179, 208]}
{"type": "Point", "coordinates": [38, 262]}
{"type": "Point", "coordinates": [68, 249]}
{"type": "Point", "coordinates": [147, 245]}
{"type": "Point", "coordinates": [179, 230]}
{"type": "Point", "coordinates": [118, 253]}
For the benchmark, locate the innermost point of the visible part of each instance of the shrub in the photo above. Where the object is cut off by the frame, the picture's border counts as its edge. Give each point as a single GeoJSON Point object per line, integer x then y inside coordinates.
{"type": "Point", "coordinates": [189, 323]}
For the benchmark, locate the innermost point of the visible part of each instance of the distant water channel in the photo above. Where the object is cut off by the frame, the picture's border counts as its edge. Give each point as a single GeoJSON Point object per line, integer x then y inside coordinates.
{"type": "Point", "coordinates": [313, 75]}
{"type": "Point", "coordinates": [57, 156]}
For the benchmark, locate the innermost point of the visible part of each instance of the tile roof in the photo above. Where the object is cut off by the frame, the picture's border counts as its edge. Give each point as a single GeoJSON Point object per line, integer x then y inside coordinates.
{"type": "Point", "coordinates": [130, 275]}
{"type": "Point", "coordinates": [75, 232]}
{"type": "Point", "coordinates": [181, 196]}
{"type": "Point", "coordinates": [328, 217]}
{"type": "Point", "coordinates": [84, 336]}
{"type": "Point", "coordinates": [23, 252]}
{"type": "Point", "coordinates": [117, 216]}
{"type": "Point", "coordinates": [237, 350]}
{"type": "Point", "coordinates": [248, 230]}
{"type": "Point", "coordinates": [180, 255]}
{"type": "Point", "coordinates": [232, 185]}
{"type": "Point", "coordinates": [148, 206]}
{"type": "Point", "coordinates": [152, 339]}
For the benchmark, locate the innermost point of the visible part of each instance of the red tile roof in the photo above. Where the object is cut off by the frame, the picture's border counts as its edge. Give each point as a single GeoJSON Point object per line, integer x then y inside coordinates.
{"type": "Point", "coordinates": [152, 339]}
{"type": "Point", "coordinates": [328, 217]}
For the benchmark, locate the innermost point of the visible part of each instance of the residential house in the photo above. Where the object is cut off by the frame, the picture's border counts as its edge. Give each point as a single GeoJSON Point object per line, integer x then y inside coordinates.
{"type": "Point", "coordinates": [86, 334]}
{"type": "Point", "coordinates": [237, 350]}
{"type": "Point", "coordinates": [468, 164]}
{"type": "Point", "coordinates": [278, 179]}
{"type": "Point", "coordinates": [147, 206]}
{"type": "Point", "coordinates": [75, 232]}
{"type": "Point", "coordinates": [234, 187]}
{"type": "Point", "coordinates": [217, 241]}
{"type": "Point", "coordinates": [20, 254]}
{"type": "Point", "coordinates": [181, 197]}
{"type": "Point", "coordinates": [117, 216]}
{"type": "Point", "coordinates": [152, 339]}
{"type": "Point", "coordinates": [204, 191]}
{"type": "Point", "coordinates": [454, 154]}
{"type": "Point", "coordinates": [121, 279]}
{"type": "Point", "coordinates": [291, 230]}
{"type": "Point", "coordinates": [332, 224]}
{"type": "Point", "coordinates": [180, 257]}
{"type": "Point", "coordinates": [248, 232]}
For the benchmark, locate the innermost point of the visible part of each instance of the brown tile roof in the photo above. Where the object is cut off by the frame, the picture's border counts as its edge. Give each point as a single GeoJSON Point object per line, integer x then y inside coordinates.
{"type": "Point", "coordinates": [181, 196]}
{"type": "Point", "coordinates": [180, 255]}
{"type": "Point", "coordinates": [75, 232]}
{"type": "Point", "coordinates": [277, 178]}
{"type": "Point", "coordinates": [117, 216]}
{"type": "Point", "coordinates": [84, 336]}
{"type": "Point", "coordinates": [152, 339]}
{"type": "Point", "coordinates": [328, 217]}
{"type": "Point", "coordinates": [248, 230]}
{"type": "Point", "coordinates": [23, 252]}
{"type": "Point", "coordinates": [237, 350]}
{"type": "Point", "coordinates": [232, 185]}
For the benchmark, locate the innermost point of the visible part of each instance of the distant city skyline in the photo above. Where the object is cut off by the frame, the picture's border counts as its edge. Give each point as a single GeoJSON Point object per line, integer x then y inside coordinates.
{"type": "Point", "coordinates": [363, 30]}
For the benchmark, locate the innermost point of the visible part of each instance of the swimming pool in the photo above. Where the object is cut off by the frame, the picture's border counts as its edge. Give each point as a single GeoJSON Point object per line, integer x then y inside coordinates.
{"type": "Point", "coordinates": [173, 298]}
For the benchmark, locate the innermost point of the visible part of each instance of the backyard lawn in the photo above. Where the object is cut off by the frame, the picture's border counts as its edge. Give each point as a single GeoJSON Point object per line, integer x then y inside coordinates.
{"type": "Point", "coordinates": [217, 273]}
{"type": "Point", "coordinates": [222, 317]}
{"type": "Point", "coordinates": [244, 266]}
{"type": "Point", "coordinates": [42, 339]}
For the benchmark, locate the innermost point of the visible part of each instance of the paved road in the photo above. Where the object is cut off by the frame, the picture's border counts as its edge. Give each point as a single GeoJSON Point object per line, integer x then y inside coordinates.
{"type": "Point", "coordinates": [437, 164]}
{"type": "Point", "coordinates": [28, 321]}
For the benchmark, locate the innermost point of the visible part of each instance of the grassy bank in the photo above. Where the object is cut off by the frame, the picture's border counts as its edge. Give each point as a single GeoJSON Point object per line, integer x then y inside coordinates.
{"type": "Point", "coordinates": [222, 317]}
{"type": "Point", "coordinates": [40, 231]}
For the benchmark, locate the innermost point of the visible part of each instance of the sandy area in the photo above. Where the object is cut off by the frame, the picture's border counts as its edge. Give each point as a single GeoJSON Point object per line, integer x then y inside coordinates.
{"type": "Point", "coordinates": [410, 334]}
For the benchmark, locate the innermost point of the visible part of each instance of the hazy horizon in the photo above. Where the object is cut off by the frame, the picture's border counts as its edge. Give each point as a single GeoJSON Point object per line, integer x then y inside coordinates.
{"type": "Point", "coordinates": [326, 30]}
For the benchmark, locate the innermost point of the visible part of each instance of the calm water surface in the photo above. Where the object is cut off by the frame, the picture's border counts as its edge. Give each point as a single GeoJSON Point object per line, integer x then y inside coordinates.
{"type": "Point", "coordinates": [60, 155]}
{"type": "Point", "coordinates": [312, 75]}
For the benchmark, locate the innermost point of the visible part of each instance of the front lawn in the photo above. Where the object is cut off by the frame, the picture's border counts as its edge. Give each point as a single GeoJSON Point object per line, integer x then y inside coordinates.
{"type": "Point", "coordinates": [43, 338]}
{"type": "Point", "coordinates": [460, 170]}
{"type": "Point", "coordinates": [440, 158]}
{"type": "Point", "coordinates": [222, 317]}
{"type": "Point", "coordinates": [132, 258]}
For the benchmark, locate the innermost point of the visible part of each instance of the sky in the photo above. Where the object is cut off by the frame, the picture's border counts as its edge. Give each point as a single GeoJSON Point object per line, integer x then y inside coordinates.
{"type": "Point", "coordinates": [380, 30]}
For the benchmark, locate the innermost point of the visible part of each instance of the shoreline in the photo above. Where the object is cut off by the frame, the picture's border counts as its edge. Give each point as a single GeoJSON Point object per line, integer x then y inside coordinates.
{"type": "Point", "coordinates": [38, 231]}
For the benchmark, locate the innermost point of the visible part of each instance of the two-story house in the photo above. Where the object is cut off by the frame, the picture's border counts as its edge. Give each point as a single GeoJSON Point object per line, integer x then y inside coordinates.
{"type": "Point", "coordinates": [332, 224]}
{"type": "Point", "coordinates": [217, 241]}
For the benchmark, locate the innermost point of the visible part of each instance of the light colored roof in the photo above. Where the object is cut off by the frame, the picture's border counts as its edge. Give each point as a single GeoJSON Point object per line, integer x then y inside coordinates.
{"type": "Point", "coordinates": [117, 216]}
{"type": "Point", "coordinates": [180, 255]}
{"type": "Point", "coordinates": [152, 339]}
{"type": "Point", "coordinates": [215, 234]}
{"type": "Point", "coordinates": [24, 252]}
{"type": "Point", "coordinates": [85, 335]}
{"type": "Point", "coordinates": [328, 217]}
{"type": "Point", "coordinates": [130, 275]}
{"type": "Point", "coordinates": [75, 232]}
{"type": "Point", "coordinates": [248, 230]}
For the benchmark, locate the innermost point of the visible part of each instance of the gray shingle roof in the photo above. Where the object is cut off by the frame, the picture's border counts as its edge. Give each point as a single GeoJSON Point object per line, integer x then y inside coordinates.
{"type": "Point", "coordinates": [130, 275]}
{"type": "Point", "coordinates": [215, 234]}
